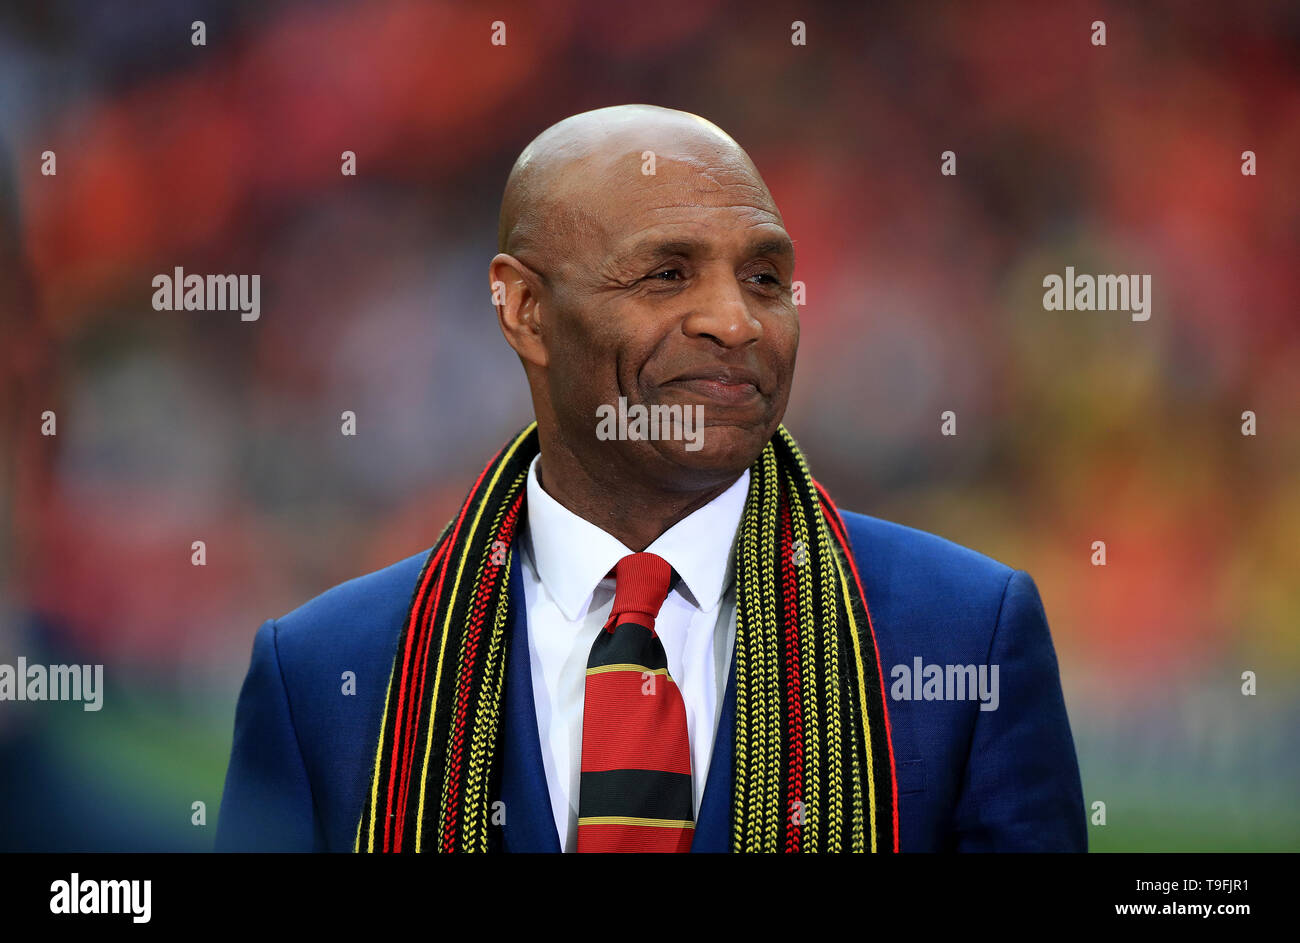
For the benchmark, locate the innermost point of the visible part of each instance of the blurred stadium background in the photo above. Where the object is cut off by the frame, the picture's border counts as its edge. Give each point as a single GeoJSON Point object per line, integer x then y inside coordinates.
{"type": "Point", "coordinates": [924, 294]}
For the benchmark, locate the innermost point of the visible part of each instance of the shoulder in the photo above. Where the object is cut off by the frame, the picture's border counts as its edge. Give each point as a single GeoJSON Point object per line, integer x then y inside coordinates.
{"type": "Point", "coordinates": [901, 552]}
{"type": "Point", "coordinates": [922, 587]}
{"type": "Point", "coordinates": [359, 619]}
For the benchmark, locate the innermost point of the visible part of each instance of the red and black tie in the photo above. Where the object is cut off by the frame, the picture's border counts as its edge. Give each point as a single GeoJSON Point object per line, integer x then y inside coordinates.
{"type": "Point", "coordinates": [635, 791]}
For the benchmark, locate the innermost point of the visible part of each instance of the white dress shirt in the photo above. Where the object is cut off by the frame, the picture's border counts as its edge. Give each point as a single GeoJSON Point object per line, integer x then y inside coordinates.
{"type": "Point", "coordinates": [568, 598]}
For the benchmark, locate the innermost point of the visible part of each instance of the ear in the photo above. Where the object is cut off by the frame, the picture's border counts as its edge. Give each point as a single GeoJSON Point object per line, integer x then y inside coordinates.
{"type": "Point", "coordinates": [516, 294]}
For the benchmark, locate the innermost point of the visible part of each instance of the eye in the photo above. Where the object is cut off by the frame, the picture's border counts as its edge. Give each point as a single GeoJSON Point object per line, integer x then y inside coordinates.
{"type": "Point", "coordinates": [659, 276]}
{"type": "Point", "coordinates": [767, 280]}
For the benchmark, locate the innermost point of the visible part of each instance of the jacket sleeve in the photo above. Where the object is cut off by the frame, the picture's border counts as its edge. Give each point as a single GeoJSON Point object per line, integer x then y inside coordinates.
{"type": "Point", "coordinates": [1021, 790]}
{"type": "Point", "coordinates": [267, 804]}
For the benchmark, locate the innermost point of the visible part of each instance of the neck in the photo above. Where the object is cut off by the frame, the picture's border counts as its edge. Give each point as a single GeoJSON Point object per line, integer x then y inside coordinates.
{"type": "Point", "coordinates": [635, 511]}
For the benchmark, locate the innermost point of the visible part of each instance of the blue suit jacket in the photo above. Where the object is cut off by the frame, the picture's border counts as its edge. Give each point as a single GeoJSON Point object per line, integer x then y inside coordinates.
{"type": "Point", "coordinates": [968, 779]}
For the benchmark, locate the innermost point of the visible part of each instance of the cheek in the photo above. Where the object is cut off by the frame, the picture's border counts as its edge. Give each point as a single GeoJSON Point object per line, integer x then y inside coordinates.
{"type": "Point", "coordinates": [785, 340]}
{"type": "Point", "coordinates": [576, 344]}
{"type": "Point", "coordinates": [589, 366]}
{"type": "Point", "coordinates": [627, 340]}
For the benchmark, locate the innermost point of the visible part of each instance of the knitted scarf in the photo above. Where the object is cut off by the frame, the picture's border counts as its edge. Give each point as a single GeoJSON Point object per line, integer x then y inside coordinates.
{"type": "Point", "coordinates": [813, 759]}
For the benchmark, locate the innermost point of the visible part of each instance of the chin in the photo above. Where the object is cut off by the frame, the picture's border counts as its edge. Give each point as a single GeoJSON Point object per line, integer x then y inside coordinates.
{"type": "Point", "coordinates": [721, 451]}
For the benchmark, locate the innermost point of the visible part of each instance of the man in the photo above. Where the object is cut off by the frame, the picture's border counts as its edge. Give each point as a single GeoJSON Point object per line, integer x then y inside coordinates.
{"type": "Point", "coordinates": [656, 633]}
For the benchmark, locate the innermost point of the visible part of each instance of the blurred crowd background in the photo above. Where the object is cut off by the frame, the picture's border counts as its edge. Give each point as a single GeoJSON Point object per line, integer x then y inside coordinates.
{"type": "Point", "coordinates": [924, 295]}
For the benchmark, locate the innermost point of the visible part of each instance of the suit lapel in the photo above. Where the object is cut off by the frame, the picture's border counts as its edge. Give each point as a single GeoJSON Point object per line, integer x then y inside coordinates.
{"type": "Point", "coordinates": [714, 823]}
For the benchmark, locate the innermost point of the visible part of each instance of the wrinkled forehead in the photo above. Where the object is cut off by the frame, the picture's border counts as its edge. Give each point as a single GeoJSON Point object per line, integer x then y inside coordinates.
{"type": "Point", "coordinates": [628, 190]}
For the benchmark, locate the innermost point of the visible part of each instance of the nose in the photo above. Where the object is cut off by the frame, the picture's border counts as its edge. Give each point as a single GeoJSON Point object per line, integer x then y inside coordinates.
{"type": "Point", "coordinates": [719, 313]}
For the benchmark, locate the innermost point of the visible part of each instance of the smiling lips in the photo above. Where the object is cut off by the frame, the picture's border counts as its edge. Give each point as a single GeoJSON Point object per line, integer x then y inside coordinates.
{"type": "Point", "coordinates": [725, 385]}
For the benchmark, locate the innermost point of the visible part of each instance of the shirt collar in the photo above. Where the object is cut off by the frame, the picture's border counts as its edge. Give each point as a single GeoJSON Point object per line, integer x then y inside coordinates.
{"type": "Point", "coordinates": [572, 555]}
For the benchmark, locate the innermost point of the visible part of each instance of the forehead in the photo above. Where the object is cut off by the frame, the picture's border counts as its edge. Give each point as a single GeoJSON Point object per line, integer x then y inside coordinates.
{"type": "Point", "coordinates": [710, 197]}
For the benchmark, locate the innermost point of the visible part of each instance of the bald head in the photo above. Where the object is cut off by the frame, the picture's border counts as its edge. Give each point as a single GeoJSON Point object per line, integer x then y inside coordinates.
{"type": "Point", "coordinates": [565, 181]}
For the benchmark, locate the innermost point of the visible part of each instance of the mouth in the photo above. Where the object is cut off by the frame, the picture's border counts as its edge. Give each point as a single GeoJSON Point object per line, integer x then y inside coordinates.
{"type": "Point", "coordinates": [729, 386]}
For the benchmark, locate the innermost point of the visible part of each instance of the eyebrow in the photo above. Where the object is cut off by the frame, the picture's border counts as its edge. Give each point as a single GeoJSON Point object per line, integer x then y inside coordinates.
{"type": "Point", "coordinates": [770, 245]}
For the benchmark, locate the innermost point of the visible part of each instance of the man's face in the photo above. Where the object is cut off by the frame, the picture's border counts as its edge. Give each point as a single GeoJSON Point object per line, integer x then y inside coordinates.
{"type": "Point", "coordinates": [680, 297]}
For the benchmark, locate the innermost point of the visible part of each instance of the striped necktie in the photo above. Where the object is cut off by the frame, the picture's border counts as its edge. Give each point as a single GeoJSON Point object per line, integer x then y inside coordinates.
{"type": "Point", "coordinates": [635, 789]}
